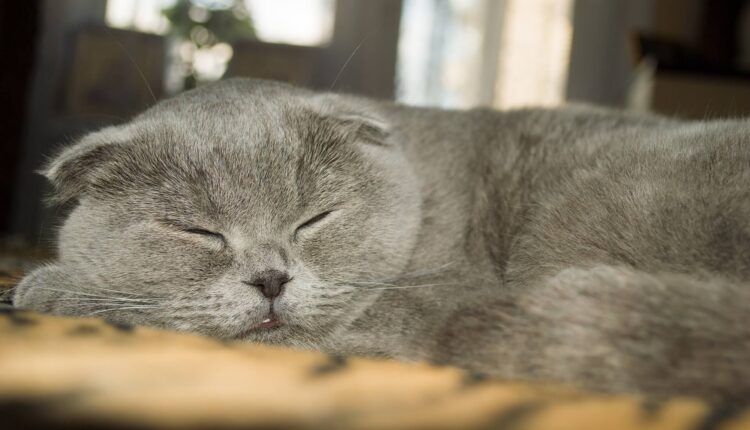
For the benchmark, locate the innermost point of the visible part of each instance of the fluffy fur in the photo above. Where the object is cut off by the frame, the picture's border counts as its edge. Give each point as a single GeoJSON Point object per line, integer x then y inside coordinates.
{"type": "Point", "coordinates": [601, 248]}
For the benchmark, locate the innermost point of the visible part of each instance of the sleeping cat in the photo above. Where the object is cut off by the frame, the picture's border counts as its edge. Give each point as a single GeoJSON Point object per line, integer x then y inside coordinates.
{"type": "Point", "coordinates": [600, 248]}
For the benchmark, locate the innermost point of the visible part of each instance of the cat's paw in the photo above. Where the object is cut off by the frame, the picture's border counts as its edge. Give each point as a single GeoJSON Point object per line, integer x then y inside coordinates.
{"type": "Point", "coordinates": [42, 289]}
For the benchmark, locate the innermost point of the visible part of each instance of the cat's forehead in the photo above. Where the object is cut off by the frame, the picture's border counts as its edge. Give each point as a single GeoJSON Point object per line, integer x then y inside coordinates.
{"type": "Point", "coordinates": [245, 127]}
{"type": "Point", "coordinates": [206, 123]}
{"type": "Point", "coordinates": [260, 162]}
{"type": "Point", "coordinates": [239, 145]}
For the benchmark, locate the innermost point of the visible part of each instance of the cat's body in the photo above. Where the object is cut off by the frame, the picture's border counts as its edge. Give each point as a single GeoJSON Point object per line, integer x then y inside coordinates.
{"type": "Point", "coordinates": [606, 249]}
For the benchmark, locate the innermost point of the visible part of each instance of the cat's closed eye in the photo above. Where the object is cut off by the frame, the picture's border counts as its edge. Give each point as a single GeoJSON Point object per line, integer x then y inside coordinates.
{"type": "Point", "coordinates": [312, 221]}
{"type": "Point", "coordinates": [217, 241]}
{"type": "Point", "coordinates": [204, 232]}
{"type": "Point", "coordinates": [199, 233]}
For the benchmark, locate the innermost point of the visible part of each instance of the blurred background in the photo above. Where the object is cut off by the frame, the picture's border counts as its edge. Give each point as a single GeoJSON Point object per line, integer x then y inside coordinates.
{"type": "Point", "coordinates": [71, 66]}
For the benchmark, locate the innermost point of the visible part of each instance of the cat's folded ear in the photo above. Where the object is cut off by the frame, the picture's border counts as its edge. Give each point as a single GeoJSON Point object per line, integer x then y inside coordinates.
{"type": "Point", "coordinates": [78, 168]}
{"type": "Point", "coordinates": [354, 118]}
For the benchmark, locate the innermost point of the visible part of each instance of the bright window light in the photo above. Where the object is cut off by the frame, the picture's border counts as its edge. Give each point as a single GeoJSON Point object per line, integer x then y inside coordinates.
{"type": "Point", "coordinates": [534, 53]}
{"type": "Point", "coordinates": [439, 52]}
{"type": "Point", "coordinates": [464, 53]}
{"type": "Point", "coordinates": [141, 15]}
{"type": "Point", "coordinates": [294, 22]}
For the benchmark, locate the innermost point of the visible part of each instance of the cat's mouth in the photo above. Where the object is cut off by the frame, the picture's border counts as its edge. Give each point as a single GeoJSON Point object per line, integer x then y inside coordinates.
{"type": "Point", "coordinates": [269, 323]}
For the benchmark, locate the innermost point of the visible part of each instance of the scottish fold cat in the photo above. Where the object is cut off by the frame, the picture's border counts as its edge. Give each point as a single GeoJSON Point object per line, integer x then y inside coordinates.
{"type": "Point", "coordinates": [600, 248]}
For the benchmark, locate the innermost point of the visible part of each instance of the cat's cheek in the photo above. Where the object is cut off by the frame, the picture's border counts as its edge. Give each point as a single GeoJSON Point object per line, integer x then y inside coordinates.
{"type": "Point", "coordinates": [176, 260]}
{"type": "Point", "coordinates": [326, 253]}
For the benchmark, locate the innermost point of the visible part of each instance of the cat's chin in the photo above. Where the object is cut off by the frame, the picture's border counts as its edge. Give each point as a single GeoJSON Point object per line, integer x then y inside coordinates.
{"type": "Point", "coordinates": [268, 325]}
{"type": "Point", "coordinates": [279, 334]}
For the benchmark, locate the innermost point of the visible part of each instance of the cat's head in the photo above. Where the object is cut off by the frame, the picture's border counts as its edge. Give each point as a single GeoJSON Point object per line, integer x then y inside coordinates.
{"type": "Point", "coordinates": [211, 206]}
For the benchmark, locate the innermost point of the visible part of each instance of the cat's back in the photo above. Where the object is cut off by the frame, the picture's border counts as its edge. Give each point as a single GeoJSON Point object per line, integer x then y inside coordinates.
{"type": "Point", "coordinates": [661, 195]}
{"type": "Point", "coordinates": [581, 183]}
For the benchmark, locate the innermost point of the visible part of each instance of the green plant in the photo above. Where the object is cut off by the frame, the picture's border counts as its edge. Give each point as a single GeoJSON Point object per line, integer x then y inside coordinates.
{"type": "Point", "coordinates": [203, 25]}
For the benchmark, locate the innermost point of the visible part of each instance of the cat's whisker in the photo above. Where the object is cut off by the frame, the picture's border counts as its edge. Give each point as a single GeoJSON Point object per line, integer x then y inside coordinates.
{"type": "Point", "coordinates": [75, 293]}
{"type": "Point", "coordinates": [427, 272]}
{"type": "Point", "coordinates": [135, 63]}
{"type": "Point", "coordinates": [96, 296]}
{"type": "Point", "coordinates": [89, 294]}
{"type": "Point", "coordinates": [375, 286]}
{"type": "Point", "coordinates": [128, 293]}
{"type": "Point", "coordinates": [406, 287]}
{"type": "Point", "coordinates": [122, 308]}
{"type": "Point", "coordinates": [370, 284]}
{"type": "Point", "coordinates": [104, 300]}
{"type": "Point", "coordinates": [401, 276]}
{"type": "Point", "coordinates": [346, 63]}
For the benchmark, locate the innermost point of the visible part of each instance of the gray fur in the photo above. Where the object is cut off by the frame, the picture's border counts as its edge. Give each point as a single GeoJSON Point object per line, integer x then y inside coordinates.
{"type": "Point", "coordinates": [601, 248]}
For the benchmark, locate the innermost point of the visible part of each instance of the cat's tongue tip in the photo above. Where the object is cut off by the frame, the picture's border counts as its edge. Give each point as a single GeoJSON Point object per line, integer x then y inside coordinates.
{"type": "Point", "coordinates": [270, 322]}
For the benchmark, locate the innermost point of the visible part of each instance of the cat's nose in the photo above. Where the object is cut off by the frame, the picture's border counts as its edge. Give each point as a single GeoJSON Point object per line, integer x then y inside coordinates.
{"type": "Point", "coordinates": [270, 282]}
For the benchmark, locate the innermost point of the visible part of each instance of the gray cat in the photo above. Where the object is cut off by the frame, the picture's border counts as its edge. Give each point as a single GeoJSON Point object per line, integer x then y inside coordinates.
{"type": "Point", "coordinates": [604, 249]}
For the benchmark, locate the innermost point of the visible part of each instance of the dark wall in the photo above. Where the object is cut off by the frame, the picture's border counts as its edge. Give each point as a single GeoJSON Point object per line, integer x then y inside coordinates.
{"type": "Point", "coordinates": [18, 35]}
{"type": "Point", "coordinates": [601, 64]}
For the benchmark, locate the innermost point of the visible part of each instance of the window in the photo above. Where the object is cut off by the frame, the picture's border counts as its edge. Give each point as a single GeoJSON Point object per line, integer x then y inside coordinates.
{"type": "Point", "coordinates": [294, 22]}
{"type": "Point", "coordinates": [533, 65]}
{"type": "Point", "coordinates": [202, 31]}
{"type": "Point", "coordinates": [502, 53]}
